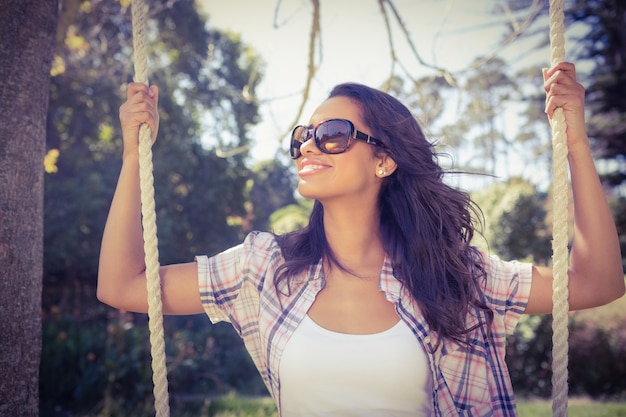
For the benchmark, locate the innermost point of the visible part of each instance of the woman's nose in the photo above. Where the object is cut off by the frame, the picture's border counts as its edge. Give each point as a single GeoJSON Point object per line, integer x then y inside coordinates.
{"type": "Point", "coordinates": [309, 146]}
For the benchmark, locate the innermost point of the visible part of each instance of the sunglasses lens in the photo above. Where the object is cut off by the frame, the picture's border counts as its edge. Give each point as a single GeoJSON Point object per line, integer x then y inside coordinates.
{"type": "Point", "coordinates": [298, 137]}
{"type": "Point", "coordinates": [333, 136]}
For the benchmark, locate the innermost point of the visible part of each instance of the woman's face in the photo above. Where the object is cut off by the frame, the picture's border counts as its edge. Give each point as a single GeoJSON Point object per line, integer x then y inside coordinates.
{"type": "Point", "coordinates": [350, 176]}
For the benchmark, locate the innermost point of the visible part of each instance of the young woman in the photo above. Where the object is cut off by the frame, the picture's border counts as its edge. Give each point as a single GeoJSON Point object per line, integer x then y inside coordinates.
{"type": "Point", "coordinates": [380, 306]}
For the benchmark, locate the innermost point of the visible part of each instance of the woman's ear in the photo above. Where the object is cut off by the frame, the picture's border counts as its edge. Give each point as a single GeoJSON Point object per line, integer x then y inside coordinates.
{"type": "Point", "coordinates": [385, 166]}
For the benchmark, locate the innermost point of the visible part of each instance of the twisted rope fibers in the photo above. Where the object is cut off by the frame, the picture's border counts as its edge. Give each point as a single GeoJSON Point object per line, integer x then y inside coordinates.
{"type": "Point", "coordinates": [560, 290]}
{"type": "Point", "coordinates": [148, 213]}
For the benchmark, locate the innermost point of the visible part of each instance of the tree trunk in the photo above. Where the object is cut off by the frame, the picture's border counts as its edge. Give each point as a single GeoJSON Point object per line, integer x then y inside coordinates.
{"type": "Point", "coordinates": [27, 35]}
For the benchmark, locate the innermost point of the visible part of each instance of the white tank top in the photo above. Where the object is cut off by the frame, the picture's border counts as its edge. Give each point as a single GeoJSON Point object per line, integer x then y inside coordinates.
{"type": "Point", "coordinates": [330, 374]}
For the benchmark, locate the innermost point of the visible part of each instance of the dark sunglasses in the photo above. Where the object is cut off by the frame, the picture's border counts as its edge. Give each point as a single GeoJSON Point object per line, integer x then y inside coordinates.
{"type": "Point", "coordinates": [331, 136]}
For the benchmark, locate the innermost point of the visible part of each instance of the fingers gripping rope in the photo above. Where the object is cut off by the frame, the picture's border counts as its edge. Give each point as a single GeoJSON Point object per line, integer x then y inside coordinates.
{"type": "Point", "coordinates": [560, 290]}
{"type": "Point", "coordinates": [148, 212]}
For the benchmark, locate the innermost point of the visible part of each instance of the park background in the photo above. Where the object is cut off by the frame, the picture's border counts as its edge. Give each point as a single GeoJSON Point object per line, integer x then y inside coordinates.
{"type": "Point", "coordinates": [234, 77]}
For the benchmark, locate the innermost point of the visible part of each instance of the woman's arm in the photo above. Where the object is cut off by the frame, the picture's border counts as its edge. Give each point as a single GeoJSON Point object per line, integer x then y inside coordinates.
{"type": "Point", "coordinates": [595, 273]}
{"type": "Point", "coordinates": [121, 273]}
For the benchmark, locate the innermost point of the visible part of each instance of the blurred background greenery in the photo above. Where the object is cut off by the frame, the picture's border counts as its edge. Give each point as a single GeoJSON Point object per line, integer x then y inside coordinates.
{"type": "Point", "coordinates": [96, 361]}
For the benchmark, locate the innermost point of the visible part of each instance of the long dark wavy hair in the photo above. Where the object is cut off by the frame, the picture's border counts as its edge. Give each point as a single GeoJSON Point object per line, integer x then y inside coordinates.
{"type": "Point", "coordinates": [426, 225]}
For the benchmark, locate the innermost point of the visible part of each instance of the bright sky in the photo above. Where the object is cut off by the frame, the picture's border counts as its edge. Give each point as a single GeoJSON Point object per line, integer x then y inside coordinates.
{"type": "Point", "coordinates": [355, 47]}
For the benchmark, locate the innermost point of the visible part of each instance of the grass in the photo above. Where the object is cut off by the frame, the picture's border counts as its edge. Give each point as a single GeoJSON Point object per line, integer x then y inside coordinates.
{"type": "Point", "coordinates": [576, 408]}
{"type": "Point", "coordinates": [233, 405]}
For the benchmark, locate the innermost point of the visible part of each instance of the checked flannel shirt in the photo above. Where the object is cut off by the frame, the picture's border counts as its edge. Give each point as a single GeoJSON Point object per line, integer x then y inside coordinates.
{"type": "Point", "coordinates": [237, 286]}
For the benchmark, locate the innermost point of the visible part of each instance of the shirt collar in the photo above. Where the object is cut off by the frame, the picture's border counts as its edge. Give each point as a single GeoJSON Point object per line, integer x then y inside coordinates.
{"type": "Point", "coordinates": [388, 282]}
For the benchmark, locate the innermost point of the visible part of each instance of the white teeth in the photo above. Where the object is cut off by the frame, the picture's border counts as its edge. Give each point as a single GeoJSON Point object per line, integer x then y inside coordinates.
{"type": "Point", "coordinates": [308, 168]}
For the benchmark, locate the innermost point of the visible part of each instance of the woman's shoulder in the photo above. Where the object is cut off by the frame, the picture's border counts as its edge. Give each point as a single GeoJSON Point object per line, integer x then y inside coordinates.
{"type": "Point", "coordinates": [260, 239]}
{"type": "Point", "coordinates": [497, 268]}
{"type": "Point", "coordinates": [257, 245]}
{"type": "Point", "coordinates": [255, 241]}
{"type": "Point", "coordinates": [261, 245]}
{"type": "Point", "coordinates": [506, 279]}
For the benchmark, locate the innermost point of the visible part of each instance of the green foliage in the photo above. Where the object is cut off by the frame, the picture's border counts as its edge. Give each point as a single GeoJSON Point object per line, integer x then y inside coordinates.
{"type": "Point", "coordinates": [476, 135]}
{"type": "Point", "coordinates": [528, 356]}
{"type": "Point", "coordinates": [604, 46]}
{"type": "Point", "coordinates": [425, 97]}
{"type": "Point", "coordinates": [99, 359]}
{"type": "Point", "coordinates": [91, 360]}
{"type": "Point", "coordinates": [597, 337]}
{"type": "Point", "coordinates": [95, 358]}
{"type": "Point", "coordinates": [272, 188]}
{"type": "Point", "coordinates": [514, 221]}
{"type": "Point", "coordinates": [291, 217]}
{"type": "Point", "coordinates": [206, 359]}
{"type": "Point", "coordinates": [198, 71]}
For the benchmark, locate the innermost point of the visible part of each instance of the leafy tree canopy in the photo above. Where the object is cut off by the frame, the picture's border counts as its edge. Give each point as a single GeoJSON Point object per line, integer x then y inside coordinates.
{"type": "Point", "coordinates": [207, 80]}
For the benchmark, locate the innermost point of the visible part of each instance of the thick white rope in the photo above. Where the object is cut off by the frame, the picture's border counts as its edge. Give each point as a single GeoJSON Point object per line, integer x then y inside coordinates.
{"type": "Point", "coordinates": [560, 194]}
{"type": "Point", "coordinates": [148, 213]}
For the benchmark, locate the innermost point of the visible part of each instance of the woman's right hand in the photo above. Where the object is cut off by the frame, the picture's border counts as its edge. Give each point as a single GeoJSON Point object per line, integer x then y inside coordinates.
{"type": "Point", "coordinates": [122, 267]}
{"type": "Point", "coordinates": [141, 107]}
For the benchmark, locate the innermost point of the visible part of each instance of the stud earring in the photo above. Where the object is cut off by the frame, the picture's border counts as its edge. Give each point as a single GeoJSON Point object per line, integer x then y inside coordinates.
{"type": "Point", "coordinates": [381, 172]}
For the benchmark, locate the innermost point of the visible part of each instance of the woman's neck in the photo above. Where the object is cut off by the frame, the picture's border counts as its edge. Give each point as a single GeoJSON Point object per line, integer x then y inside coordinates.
{"type": "Point", "coordinates": [354, 236]}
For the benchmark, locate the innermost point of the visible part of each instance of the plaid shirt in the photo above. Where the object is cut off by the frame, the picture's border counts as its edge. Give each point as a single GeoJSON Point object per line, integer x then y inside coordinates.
{"type": "Point", "coordinates": [238, 286]}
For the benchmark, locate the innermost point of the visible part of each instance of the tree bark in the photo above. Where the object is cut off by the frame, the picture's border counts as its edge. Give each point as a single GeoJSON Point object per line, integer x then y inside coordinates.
{"type": "Point", "coordinates": [27, 35]}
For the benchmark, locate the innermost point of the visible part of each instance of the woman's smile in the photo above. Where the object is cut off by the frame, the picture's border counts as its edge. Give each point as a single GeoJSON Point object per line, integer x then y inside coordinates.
{"type": "Point", "coordinates": [309, 166]}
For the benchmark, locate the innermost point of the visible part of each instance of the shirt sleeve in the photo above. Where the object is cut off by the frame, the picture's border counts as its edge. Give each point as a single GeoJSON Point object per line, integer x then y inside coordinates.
{"type": "Point", "coordinates": [507, 289]}
{"type": "Point", "coordinates": [223, 277]}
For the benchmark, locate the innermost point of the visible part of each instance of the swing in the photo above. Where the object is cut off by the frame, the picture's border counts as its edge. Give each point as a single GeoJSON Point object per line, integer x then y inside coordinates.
{"type": "Point", "coordinates": [148, 221]}
{"type": "Point", "coordinates": [559, 242]}
{"type": "Point", "coordinates": [560, 292]}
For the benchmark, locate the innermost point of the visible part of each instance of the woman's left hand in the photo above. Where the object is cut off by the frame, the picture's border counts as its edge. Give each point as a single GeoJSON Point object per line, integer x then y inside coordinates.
{"type": "Point", "coordinates": [595, 275]}
{"type": "Point", "coordinates": [562, 90]}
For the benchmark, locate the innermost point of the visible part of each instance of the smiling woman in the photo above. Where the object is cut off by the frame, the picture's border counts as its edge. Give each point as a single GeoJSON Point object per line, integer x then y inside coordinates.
{"type": "Point", "coordinates": [385, 265]}
{"type": "Point", "coordinates": [380, 305]}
